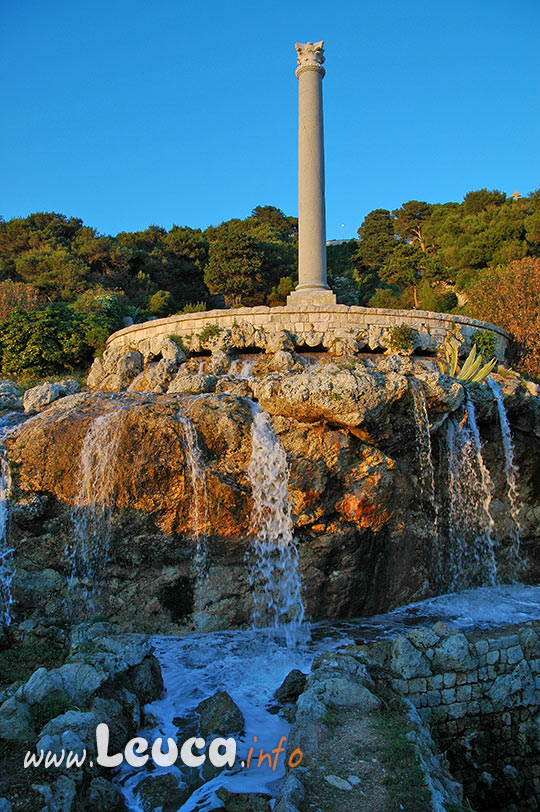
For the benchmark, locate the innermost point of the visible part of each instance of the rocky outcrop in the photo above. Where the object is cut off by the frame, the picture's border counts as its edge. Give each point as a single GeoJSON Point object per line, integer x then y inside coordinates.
{"type": "Point", "coordinates": [40, 397]}
{"type": "Point", "coordinates": [107, 678]}
{"type": "Point", "coordinates": [363, 522]}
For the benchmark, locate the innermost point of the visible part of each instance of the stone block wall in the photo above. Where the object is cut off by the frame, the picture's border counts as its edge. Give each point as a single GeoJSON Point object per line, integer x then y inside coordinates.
{"type": "Point", "coordinates": [480, 696]}
{"type": "Point", "coordinates": [335, 328]}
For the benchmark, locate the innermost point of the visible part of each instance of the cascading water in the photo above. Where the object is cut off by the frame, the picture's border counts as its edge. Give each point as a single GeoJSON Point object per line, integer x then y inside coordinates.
{"type": "Point", "coordinates": [7, 569]}
{"type": "Point", "coordinates": [273, 559]}
{"type": "Point", "coordinates": [516, 564]}
{"type": "Point", "coordinates": [199, 510]}
{"type": "Point", "coordinates": [424, 451]}
{"type": "Point", "coordinates": [91, 516]}
{"type": "Point", "coordinates": [469, 560]}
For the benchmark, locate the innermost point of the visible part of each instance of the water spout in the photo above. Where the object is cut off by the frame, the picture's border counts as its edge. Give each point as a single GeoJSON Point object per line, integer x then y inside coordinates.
{"type": "Point", "coordinates": [516, 564]}
{"type": "Point", "coordinates": [273, 575]}
{"type": "Point", "coordinates": [469, 560]}
{"type": "Point", "coordinates": [199, 511]}
{"type": "Point", "coordinates": [88, 553]}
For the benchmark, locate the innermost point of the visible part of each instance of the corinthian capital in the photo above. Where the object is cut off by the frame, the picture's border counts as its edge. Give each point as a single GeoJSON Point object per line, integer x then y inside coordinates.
{"type": "Point", "coordinates": [310, 57]}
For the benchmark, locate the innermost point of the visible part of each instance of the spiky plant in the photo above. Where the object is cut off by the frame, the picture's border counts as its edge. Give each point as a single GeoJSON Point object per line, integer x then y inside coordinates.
{"type": "Point", "coordinates": [472, 370]}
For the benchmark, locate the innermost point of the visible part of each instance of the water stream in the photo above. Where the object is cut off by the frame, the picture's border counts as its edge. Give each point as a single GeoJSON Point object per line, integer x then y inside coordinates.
{"type": "Point", "coordinates": [7, 569]}
{"type": "Point", "coordinates": [273, 557]}
{"type": "Point", "coordinates": [426, 470]}
{"type": "Point", "coordinates": [88, 552]}
{"type": "Point", "coordinates": [250, 666]}
{"type": "Point", "coordinates": [469, 559]}
{"type": "Point", "coordinates": [516, 564]}
{"type": "Point", "coordinates": [199, 512]}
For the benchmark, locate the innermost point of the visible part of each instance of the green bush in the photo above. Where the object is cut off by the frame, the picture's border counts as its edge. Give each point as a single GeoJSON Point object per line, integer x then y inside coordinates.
{"type": "Point", "coordinates": [486, 343]}
{"type": "Point", "coordinates": [193, 307]}
{"type": "Point", "coordinates": [401, 338]}
{"type": "Point", "coordinates": [161, 303]}
{"type": "Point", "coordinates": [44, 342]}
{"type": "Point", "coordinates": [209, 331]}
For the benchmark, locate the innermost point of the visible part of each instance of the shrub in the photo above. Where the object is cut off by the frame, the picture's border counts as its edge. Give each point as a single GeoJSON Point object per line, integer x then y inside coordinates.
{"type": "Point", "coordinates": [486, 343]}
{"type": "Point", "coordinates": [193, 307]}
{"type": "Point", "coordinates": [160, 304]}
{"type": "Point", "coordinates": [509, 296]}
{"type": "Point", "coordinates": [401, 338]}
{"type": "Point", "coordinates": [44, 342]}
{"type": "Point", "coordinates": [17, 296]}
{"type": "Point", "coordinates": [209, 331]}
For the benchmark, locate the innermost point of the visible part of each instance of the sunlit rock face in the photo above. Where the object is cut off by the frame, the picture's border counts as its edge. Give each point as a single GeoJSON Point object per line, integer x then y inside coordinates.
{"type": "Point", "coordinates": [368, 534]}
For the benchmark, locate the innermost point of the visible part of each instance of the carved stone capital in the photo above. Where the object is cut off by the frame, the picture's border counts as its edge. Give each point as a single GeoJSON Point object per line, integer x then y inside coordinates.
{"type": "Point", "coordinates": [310, 57]}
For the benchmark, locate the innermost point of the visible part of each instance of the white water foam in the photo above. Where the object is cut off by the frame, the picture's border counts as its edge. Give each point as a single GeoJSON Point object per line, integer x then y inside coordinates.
{"type": "Point", "coordinates": [515, 561]}
{"type": "Point", "coordinates": [273, 558]}
{"type": "Point", "coordinates": [88, 552]}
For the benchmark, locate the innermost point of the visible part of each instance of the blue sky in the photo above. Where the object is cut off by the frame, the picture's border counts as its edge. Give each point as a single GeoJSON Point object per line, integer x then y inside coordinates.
{"type": "Point", "coordinates": [127, 112]}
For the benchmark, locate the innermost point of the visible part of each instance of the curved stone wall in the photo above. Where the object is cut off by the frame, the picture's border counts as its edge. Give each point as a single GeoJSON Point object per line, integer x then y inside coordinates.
{"type": "Point", "coordinates": [335, 328]}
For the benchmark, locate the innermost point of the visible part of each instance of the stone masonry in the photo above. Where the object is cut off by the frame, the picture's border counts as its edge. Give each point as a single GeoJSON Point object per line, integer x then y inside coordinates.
{"type": "Point", "coordinates": [479, 694]}
{"type": "Point", "coordinates": [338, 329]}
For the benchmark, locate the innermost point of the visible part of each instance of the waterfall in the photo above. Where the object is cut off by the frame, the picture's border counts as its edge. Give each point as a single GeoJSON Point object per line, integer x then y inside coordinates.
{"type": "Point", "coordinates": [7, 568]}
{"type": "Point", "coordinates": [424, 450]}
{"type": "Point", "coordinates": [92, 512]}
{"type": "Point", "coordinates": [199, 509]}
{"type": "Point", "coordinates": [515, 561]}
{"type": "Point", "coordinates": [6, 551]}
{"type": "Point", "coordinates": [273, 575]}
{"type": "Point", "coordinates": [246, 370]}
{"type": "Point", "coordinates": [233, 369]}
{"type": "Point", "coordinates": [469, 560]}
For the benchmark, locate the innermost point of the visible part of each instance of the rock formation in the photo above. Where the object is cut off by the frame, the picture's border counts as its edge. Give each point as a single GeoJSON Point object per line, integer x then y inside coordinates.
{"type": "Point", "coordinates": [364, 525]}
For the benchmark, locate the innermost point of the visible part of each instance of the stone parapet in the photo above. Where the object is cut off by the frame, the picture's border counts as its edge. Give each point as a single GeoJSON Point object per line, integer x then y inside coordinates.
{"type": "Point", "coordinates": [326, 327]}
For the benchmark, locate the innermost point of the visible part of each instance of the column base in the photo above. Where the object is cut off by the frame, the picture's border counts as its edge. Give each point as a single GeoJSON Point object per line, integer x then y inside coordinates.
{"type": "Point", "coordinates": [314, 296]}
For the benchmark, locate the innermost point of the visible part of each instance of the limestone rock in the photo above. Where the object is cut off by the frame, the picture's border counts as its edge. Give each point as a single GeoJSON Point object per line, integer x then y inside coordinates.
{"type": "Point", "coordinates": [115, 370]}
{"type": "Point", "coordinates": [15, 721]}
{"type": "Point", "coordinates": [220, 362]}
{"type": "Point", "coordinates": [220, 715]}
{"type": "Point", "coordinates": [60, 796]}
{"type": "Point", "coordinates": [163, 792]}
{"type": "Point", "coordinates": [453, 654]}
{"type": "Point", "coordinates": [359, 400]}
{"type": "Point", "coordinates": [183, 384]}
{"type": "Point", "coordinates": [39, 397]}
{"type": "Point", "coordinates": [103, 794]}
{"type": "Point", "coordinates": [155, 377]}
{"type": "Point", "coordinates": [291, 795]}
{"type": "Point", "coordinates": [337, 782]}
{"type": "Point", "coordinates": [291, 687]}
{"type": "Point", "coordinates": [147, 680]}
{"type": "Point", "coordinates": [11, 398]}
{"type": "Point", "coordinates": [77, 681]}
{"type": "Point", "coordinates": [171, 351]}
{"type": "Point", "coordinates": [406, 661]}
{"type": "Point", "coordinates": [243, 802]}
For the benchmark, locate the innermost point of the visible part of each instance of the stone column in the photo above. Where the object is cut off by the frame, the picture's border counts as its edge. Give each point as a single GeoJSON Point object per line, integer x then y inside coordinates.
{"type": "Point", "coordinates": [312, 286]}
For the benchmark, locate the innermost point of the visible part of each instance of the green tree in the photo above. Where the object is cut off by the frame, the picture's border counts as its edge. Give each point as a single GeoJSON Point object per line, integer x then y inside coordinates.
{"type": "Point", "coordinates": [475, 202]}
{"type": "Point", "coordinates": [236, 266]}
{"type": "Point", "coordinates": [407, 266]}
{"type": "Point", "coordinates": [53, 271]}
{"type": "Point", "coordinates": [376, 242]}
{"type": "Point", "coordinates": [410, 219]}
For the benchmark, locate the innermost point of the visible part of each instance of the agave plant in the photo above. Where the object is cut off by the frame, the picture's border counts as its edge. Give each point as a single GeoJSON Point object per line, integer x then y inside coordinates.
{"type": "Point", "coordinates": [472, 370]}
